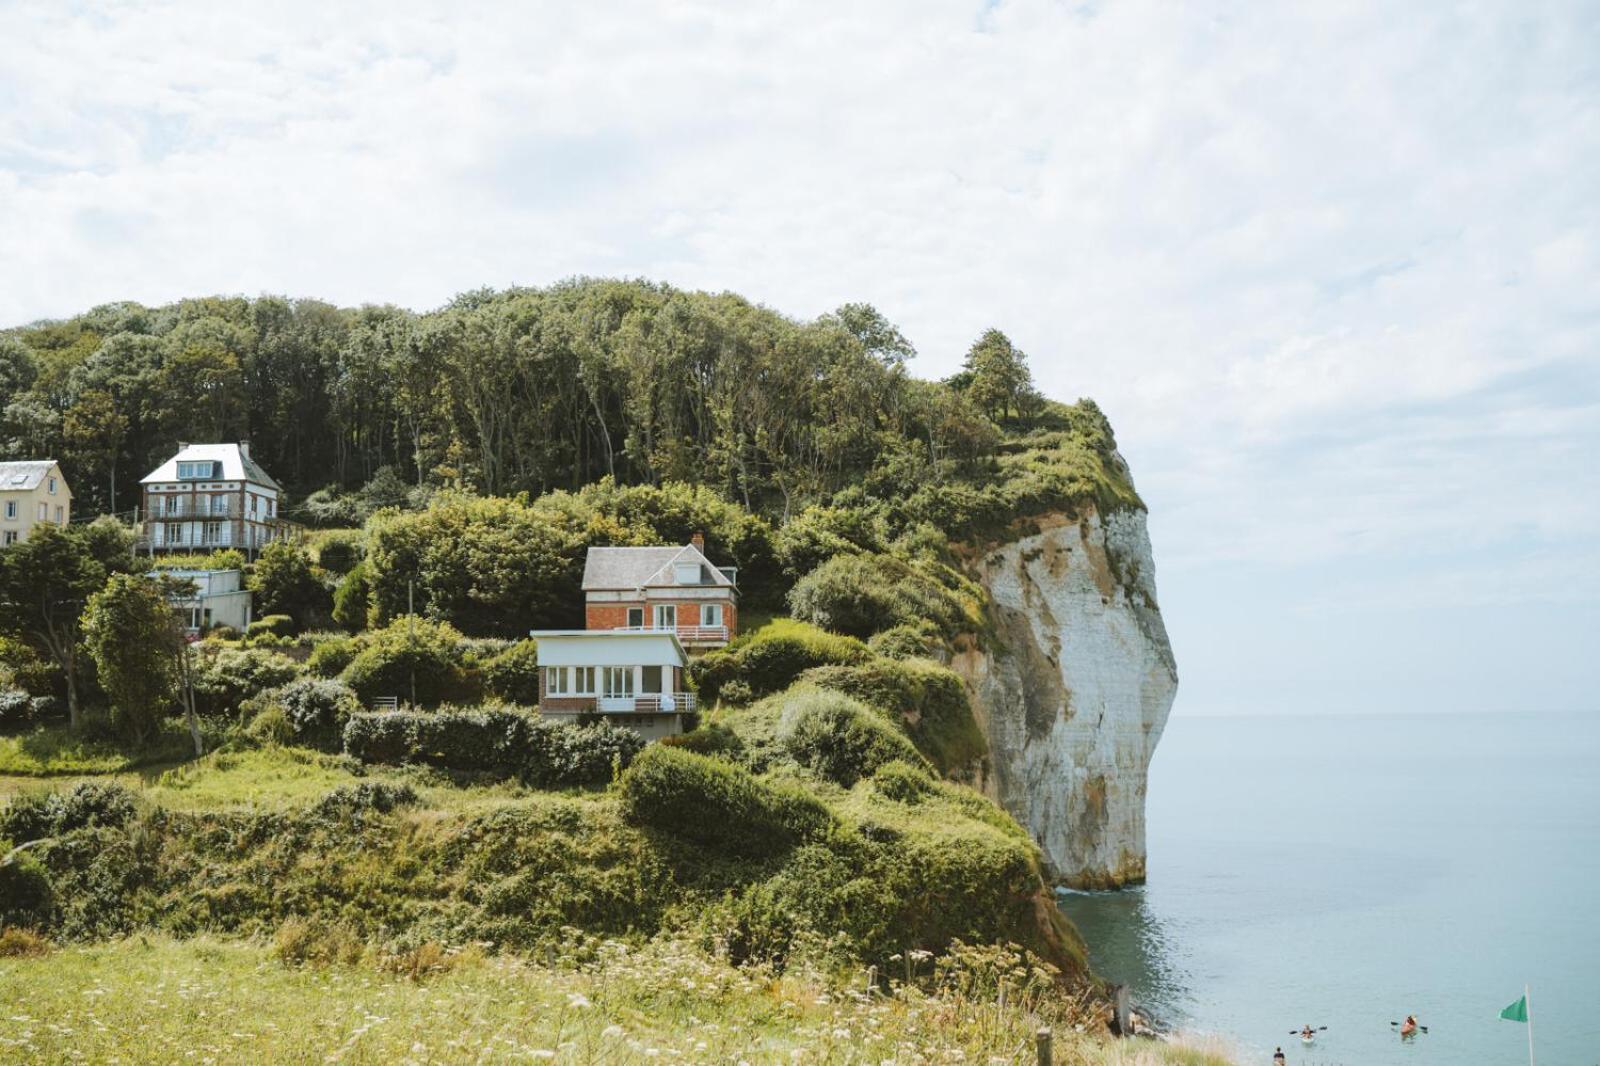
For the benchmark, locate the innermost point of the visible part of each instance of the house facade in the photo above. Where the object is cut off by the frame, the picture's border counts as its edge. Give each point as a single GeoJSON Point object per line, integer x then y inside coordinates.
{"type": "Point", "coordinates": [218, 598]}
{"type": "Point", "coordinates": [662, 589]}
{"type": "Point", "coordinates": [631, 677]}
{"type": "Point", "coordinates": [32, 493]}
{"type": "Point", "coordinates": [211, 496]}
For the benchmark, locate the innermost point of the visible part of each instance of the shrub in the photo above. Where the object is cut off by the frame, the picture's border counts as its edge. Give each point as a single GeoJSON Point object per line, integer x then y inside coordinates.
{"type": "Point", "coordinates": [865, 594]}
{"type": "Point", "coordinates": [715, 803]}
{"type": "Point", "coordinates": [340, 551]}
{"type": "Point", "coordinates": [354, 800]}
{"type": "Point", "coordinates": [224, 680]}
{"type": "Point", "coordinates": [352, 599]}
{"type": "Point", "coordinates": [27, 897]}
{"type": "Point", "coordinates": [714, 739]}
{"type": "Point", "coordinates": [840, 738]}
{"type": "Point", "coordinates": [920, 640]}
{"type": "Point", "coordinates": [302, 941]}
{"type": "Point", "coordinates": [16, 709]}
{"type": "Point", "coordinates": [317, 709]}
{"type": "Point", "coordinates": [736, 692]}
{"type": "Point", "coordinates": [381, 737]}
{"type": "Point", "coordinates": [330, 658]}
{"type": "Point", "coordinates": [222, 632]}
{"type": "Point", "coordinates": [284, 583]}
{"type": "Point", "coordinates": [51, 814]}
{"type": "Point", "coordinates": [270, 725]}
{"type": "Point", "coordinates": [770, 659]}
{"type": "Point", "coordinates": [562, 755]}
{"type": "Point", "coordinates": [494, 740]}
{"type": "Point", "coordinates": [903, 782]}
{"type": "Point", "coordinates": [928, 700]}
{"type": "Point", "coordinates": [21, 667]}
{"type": "Point", "coordinates": [21, 943]}
{"type": "Point", "coordinates": [272, 625]}
{"type": "Point", "coordinates": [415, 659]}
{"type": "Point", "coordinates": [513, 674]}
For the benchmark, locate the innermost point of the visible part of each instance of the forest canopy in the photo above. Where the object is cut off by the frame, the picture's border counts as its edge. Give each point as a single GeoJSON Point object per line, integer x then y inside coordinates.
{"type": "Point", "coordinates": [529, 390]}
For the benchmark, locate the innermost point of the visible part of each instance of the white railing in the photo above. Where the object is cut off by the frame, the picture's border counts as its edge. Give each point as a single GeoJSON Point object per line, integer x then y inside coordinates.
{"type": "Point", "coordinates": [647, 703]}
{"type": "Point", "coordinates": [687, 634]}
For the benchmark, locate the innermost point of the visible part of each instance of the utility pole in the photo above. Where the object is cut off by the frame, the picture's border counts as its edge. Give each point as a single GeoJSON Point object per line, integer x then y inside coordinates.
{"type": "Point", "coordinates": [411, 634]}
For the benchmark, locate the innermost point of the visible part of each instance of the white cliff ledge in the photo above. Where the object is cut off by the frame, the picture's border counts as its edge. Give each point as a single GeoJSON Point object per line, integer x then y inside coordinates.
{"type": "Point", "coordinates": [1074, 688]}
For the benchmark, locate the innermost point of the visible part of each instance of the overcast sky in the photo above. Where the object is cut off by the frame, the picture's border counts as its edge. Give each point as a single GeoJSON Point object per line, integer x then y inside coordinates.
{"type": "Point", "coordinates": [1333, 269]}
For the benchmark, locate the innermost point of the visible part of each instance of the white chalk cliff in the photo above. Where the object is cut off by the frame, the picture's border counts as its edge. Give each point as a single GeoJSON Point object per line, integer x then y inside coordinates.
{"type": "Point", "coordinates": [1073, 689]}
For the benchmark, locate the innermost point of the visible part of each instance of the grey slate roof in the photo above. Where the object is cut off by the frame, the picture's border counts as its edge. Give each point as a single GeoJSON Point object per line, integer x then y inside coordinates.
{"type": "Point", "coordinates": [24, 475]}
{"type": "Point", "coordinates": [632, 568]}
{"type": "Point", "coordinates": [233, 464]}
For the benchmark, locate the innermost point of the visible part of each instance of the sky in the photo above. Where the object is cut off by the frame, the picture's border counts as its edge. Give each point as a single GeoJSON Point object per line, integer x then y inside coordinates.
{"type": "Point", "coordinates": [1333, 270]}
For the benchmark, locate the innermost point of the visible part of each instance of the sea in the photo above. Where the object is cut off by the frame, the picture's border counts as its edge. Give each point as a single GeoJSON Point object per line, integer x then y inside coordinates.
{"type": "Point", "coordinates": [1345, 871]}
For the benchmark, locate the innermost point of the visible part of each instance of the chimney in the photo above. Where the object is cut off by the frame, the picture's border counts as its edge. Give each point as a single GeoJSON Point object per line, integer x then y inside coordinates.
{"type": "Point", "coordinates": [698, 543]}
{"type": "Point", "coordinates": [244, 448]}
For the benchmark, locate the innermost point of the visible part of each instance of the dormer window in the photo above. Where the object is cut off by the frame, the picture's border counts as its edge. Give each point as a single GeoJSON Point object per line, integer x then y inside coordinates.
{"type": "Point", "coordinates": [686, 573]}
{"type": "Point", "coordinates": [195, 471]}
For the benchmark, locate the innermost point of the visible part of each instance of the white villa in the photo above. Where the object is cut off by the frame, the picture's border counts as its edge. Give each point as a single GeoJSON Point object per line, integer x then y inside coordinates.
{"type": "Point", "coordinates": [211, 496]}
{"type": "Point", "coordinates": [630, 677]}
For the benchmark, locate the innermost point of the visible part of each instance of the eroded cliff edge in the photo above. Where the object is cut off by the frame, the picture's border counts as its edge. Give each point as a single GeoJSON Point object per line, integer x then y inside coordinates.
{"type": "Point", "coordinates": [1074, 687]}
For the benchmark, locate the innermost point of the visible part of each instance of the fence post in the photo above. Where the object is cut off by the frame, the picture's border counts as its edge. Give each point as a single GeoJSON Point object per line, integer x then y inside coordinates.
{"type": "Point", "coordinates": [1121, 1009]}
{"type": "Point", "coordinates": [872, 979]}
{"type": "Point", "coordinates": [1042, 1042]}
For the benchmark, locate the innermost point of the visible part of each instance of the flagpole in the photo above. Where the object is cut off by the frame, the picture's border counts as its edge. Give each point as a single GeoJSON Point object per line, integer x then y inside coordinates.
{"type": "Point", "coordinates": [1527, 1000]}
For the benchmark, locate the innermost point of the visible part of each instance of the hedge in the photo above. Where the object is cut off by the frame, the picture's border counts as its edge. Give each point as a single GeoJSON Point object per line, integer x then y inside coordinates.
{"type": "Point", "coordinates": [772, 657]}
{"type": "Point", "coordinates": [720, 805]}
{"type": "Point", "coordinates": [840, 738]}
{"type": "Point", "coordinates": [865, 594]}
{"type": "Point", "coordinates": [928, 700]}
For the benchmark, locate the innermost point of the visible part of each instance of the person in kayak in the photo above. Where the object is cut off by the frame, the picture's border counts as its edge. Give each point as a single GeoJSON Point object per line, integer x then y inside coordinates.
{"type": "Point", "coordinates": [1409, 1026]}
{"type": "Point", "coordinates": [1308, 1034]}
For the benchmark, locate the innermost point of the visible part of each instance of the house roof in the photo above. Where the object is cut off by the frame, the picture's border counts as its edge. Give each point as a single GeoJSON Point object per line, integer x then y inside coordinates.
{"type": "Point", "coordinates": [24, 475]}
{"type": "Point", "coordinates": [234, 464]}
{"type": "Point", "coordinates": [609, 647]}
{"type": "Point", "coordinates": [637, 568]}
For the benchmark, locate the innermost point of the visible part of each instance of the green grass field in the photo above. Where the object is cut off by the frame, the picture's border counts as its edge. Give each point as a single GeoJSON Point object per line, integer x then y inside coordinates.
{"type": "Point", "coordinates": [141, 1000]}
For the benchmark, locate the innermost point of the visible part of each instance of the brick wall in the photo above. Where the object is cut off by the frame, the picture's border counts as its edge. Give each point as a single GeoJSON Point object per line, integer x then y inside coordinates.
{"type": "Point", "coordinates": [606, 615]}
{"type": "Point", "coordinates": [615, 615]}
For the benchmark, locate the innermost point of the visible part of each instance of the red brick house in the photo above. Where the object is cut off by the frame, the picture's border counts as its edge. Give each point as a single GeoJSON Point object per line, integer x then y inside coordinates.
{"type": "Point", "coordinates": [632, 677]}
{"type": "Point", "coordinates": [671, 589]}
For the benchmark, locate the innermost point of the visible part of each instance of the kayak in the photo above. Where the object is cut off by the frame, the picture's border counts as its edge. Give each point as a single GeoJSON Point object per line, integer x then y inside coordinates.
{"type": "Point", "coordinates": [1408, 1029]}
{"type": "Point", "coordinates": [1308, 1040]}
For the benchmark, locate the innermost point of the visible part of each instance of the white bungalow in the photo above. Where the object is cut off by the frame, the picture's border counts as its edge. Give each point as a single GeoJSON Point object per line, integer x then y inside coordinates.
{"type": "Point", "coordinates": [631, 677]}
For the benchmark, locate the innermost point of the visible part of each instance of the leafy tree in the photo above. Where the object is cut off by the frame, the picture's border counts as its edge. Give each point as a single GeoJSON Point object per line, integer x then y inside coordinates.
{"type": "Point", "coordinates": [134, 637]}
{"type": "Point", "coordinates": [45, 582]}
{"type": "Point", "coordinates": [997, 378]}
{"type": "Point", "coordinates": [284, 583]}
{"type": "Point", "coordinates": [880, 338]}
{"type": "Point", "coordinates": [92, 432]}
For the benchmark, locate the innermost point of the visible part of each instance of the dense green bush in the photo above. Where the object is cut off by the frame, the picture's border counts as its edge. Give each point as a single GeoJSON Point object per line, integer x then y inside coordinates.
{"type": "Point", "coordinates": [497, 740]}
{"type": "Point", "coordinates": [713, 739]}
{"type": "Point", "coordinates": [903, 782]}
{"type": "Point", "coordinates": [818, 534]}
{"type": "Point", "coordinates": [284, 582]}
{"type": "Point", "coordinates": [417, 660]}
{"type": "Point", "coordinates": [354, 800]}
{"type": "Point", "coordinates": [513, 674]}
{"type": "Point", "coordinates": [840, 738]}
{"type": "Point", "coordinates": [225, 679]}
{"type": "Point", "coordinates": [865, 594]}
{"type": "Point", "coordinates": [919, 640]}
{"type": "Point", "coordinates": [27, 898]}
{"type": "Point", "coordinates": [352, 599]}
{"type": "Point", "coordinates": [330, 658]}
{"type": "Point", "coordinates": [339, 551]}
{"type": "Point", "coordinates": [316, 710]}
{"type": "Point", "coordinates": [769, 659]}
{"type": "Point", "coordinates": [21, 667]}
{"type": "Point", "coordinates": [271, 625]}
{"type": "Point", "coordinates": [928, 700]}
{"type": "Point", "coordinates": [49, 814]}
{"type": "Point", "coordinates": [714, 803]}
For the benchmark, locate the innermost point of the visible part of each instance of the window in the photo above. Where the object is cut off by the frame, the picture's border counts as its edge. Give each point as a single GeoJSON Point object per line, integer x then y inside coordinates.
{"type": "Point", "coordinates": [11, 537]}
{"type": "Point", "coordinates": [711, 614]}
{"type": "Point", "coordinates": [213, 533]}
{"type": "Point", "coordinates": [650, 679]}
{"type": "Point", "coordinates": [52, 486]}
{"type": "Point", "coordinates": [583, 680]}
{"type": "Point", "coordinates": [219, 505]}
{"type": "Point", "coordinates": [11, 509]}
{"type": "Point", "coordinates": [635, 617]}
{"type": "Point", "coordinates": [59, 516]}
{"type": "Point", "coordinates": [194, 471]}
{"type": "Point", "coordinates": [666, 616]}
{"type": "Point", "coordinates": [44, 512]}
{"type": "Point", "coordinates": [619, 682]}
{"type": "Point", "coordinates": [687, 573]}
{"type": "Point", "coordinates": [557, 681]}
{"type": "Point", "coordinates": [174, 533]}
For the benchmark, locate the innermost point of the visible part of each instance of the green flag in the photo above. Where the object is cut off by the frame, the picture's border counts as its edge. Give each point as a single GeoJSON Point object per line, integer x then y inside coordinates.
{"type": "Point", "coordinates": [1517, 1012]}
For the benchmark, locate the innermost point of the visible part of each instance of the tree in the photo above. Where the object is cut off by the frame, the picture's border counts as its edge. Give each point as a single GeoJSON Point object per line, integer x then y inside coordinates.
{"type": "Point", "coordinates": [92, 431]}
{"type": "Point", "coordinates": [879, 337]}
{"type": "Point", "coordinates": [284, 582]}
{"type": "Point", "coordinates": [997, 378]}
{"type": "Point", "coordinates": [44, 583]}
{"type": "Point", "coordinates": [133, 634]}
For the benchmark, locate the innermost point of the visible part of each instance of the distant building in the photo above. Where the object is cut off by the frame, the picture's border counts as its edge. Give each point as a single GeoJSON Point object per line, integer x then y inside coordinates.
{"type": "Point", "coordinates": [219, 598]}
{"type": "Point", "coordinates": [211, 496]}
{"type": "Point", "coordinates": [672, 589]}
{"type": "Point", "coordinates": [32, 493]}
{"type": "Point", "coordinates": [631, 677]}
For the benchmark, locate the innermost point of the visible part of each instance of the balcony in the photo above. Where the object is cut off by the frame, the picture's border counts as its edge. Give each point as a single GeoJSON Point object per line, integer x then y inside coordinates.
{"type": "Point", "coordinates": [699, 635]}
{"type": "Point", "coordinates": [643, 703]}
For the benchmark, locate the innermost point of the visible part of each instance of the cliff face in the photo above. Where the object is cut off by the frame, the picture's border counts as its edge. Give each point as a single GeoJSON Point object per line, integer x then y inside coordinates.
{"type": "Point", "coordinates": [1074, 689]}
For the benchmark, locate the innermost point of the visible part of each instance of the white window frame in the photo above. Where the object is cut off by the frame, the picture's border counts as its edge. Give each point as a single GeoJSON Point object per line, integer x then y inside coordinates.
{"type": "Point", "coordinates": [711, 614]}
{"type": "Point", "coordinates": [219, 504]}
{"type": "Point", "coordinates": [194, 470]}
{"type": "Point", "coordinates": [618, 681]}
{"type": "Point", "coordinates": [686, 573]}
{"type": "Point", "coordinates": [635, 612]}
{"type": "Point", "coordinates": [11, 510]}
{"type": "Point", "coordinates": [52, 486]}
{"type": "Point", "coordinates": [211, 533]}
{"type": "Point", "coordinates": [11, 537]}
{"type": "Point", "coordinates": [556, 680]}
{"type": "Point", "coordinates": [174, 533]}
{"type": "Point", "coordinates": [664, 616]}
{"type": "Point", "coordinates": [60, 516]}
{"type": "Point", "coordinates": [44, 511]}
{"type": "Point", "coordinates": [583, 681]}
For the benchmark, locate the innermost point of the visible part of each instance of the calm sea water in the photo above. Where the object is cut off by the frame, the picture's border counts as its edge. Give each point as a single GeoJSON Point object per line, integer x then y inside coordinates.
{"type": "Point", "coordinates": [1346, 871]}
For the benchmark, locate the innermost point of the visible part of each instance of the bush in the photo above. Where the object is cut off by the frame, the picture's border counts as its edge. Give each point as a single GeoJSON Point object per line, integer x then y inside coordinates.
{"type": "Point", "coordinates": [865, 594]}
{"type": "Point", "coordinates": [223, 632]}
{"type": "Point", "coordinates": [21, 943]}
{"type": "Point", "coordinates": [284, 583]}
{"type": "Point", "coordinates": [16, 709]}
{"type": "Point", "coordinates": [840, 738]}
{"type": "Point", "coordinates": [494, 740]}
{"type": "Point", "coordinates": [414, 659]}
{"type": "Point", "coordinates": [270, 725]}
{"type": "Point", "coordinates": [352, 599]}
{"type": "Point", "coordinates": [715, 739]}
{"type": "Point", "coordinates": [770, 659]}
{"type": "Point", "coordinates": [51, 814]}
{"type": "Point", "coordinates": [920, 640]}
{"type": "Point", "coordinates": [330, 658]}
{"type": "Point", "coordinates": [27, 898]}
{"type": "Point", "coordinates": [714, 803]}
{"type": "Point", "coordinates": [272, 625]}
{"type": "Point", "coordinates": [927, 700]}
{"type": "Point", "coordinates": [735, 692]}
{"type": "Point", "coordinates": [224, 680]}
{"type": "Point", "coordinates": [354, 800]}
{"type": "Point", "coordinates": [903, 782]}
{"type": "Point", "coordinates": [316, 710]}
{"type": "Point", "coordinates": [21, 667]}
{"type": "Point", "coordinates": [340, 551]}
{"type": "Point", "coordinates": [513, 675]}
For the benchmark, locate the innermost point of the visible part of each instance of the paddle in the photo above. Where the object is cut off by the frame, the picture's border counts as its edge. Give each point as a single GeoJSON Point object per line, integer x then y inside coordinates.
{"type": "Point", "coordinates": [1318, 1029]}
{"type": "Point", "coordinates": [1424, 1028]}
